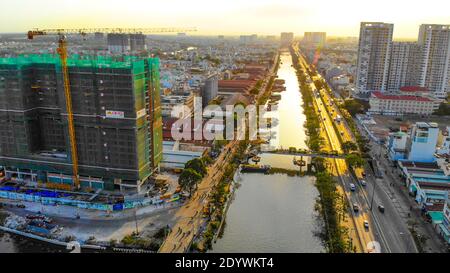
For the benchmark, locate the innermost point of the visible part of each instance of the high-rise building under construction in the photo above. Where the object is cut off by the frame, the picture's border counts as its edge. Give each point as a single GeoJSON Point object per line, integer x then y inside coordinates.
{"type": "Point", "coordinates": [116, 111]}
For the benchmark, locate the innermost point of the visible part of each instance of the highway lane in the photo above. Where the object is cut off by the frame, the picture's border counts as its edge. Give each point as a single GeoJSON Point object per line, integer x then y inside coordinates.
{"type": "Point", "coordinates": [343, 172]}
{"type": "Point", "coordinates": [391, 225]}
{"type": "Point", "coordinates": [364, 235]}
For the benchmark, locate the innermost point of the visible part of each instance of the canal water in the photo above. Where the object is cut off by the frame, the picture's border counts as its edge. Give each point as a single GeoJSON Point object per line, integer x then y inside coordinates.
{"type": "Point", "coordinates": [275, 213]}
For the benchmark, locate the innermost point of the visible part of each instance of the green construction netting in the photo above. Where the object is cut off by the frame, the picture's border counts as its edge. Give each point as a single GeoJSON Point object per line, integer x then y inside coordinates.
{"type": "Point", "coordinates": [134, 62]}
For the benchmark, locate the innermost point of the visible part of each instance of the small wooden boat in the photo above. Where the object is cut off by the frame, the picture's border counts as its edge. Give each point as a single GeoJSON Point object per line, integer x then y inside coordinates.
{"type": "Point", "coordinates": [256, 159]}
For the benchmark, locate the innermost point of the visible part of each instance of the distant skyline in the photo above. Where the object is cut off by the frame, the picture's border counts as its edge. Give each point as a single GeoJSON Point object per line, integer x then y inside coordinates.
{"type": "Point", "coordinates": [231, 17]}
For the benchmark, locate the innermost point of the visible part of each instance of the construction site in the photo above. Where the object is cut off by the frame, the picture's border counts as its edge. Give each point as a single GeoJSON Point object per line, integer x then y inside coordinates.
{"type": "Point", "coordinates": [81, 121]}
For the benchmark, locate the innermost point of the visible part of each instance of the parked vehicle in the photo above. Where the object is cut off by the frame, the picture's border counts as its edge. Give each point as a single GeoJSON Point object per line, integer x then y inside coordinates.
{"type": "Point", "coordinates": [363, 182]}
{"type": "Point", "coordinates": [381, 208]}
{"type": "Point", "coordinates": [355, 208]}
{"type": "Point", "coordinates": [352, 187]}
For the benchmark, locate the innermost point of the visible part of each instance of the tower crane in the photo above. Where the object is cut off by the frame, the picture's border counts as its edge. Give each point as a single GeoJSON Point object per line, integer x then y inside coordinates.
{"type": "Point", "coordinates": [63, 54]}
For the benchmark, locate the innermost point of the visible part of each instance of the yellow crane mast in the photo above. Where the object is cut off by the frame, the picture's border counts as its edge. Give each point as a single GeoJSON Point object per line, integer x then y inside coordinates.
{"type": "Point", "coordinates": [62, 51]}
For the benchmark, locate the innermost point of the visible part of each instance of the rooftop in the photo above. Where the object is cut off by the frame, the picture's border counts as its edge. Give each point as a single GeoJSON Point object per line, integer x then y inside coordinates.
{"type": "Point", "coordinates": [383, 96]}
{"type": "Point", "coordinates": [236, 83]}
{"type": "Point", "coordinates": [413, 89]}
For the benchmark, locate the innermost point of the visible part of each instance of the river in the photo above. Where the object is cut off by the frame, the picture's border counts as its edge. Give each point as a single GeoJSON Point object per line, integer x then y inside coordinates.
{"type": "Point", "coordinates": [275, 213]}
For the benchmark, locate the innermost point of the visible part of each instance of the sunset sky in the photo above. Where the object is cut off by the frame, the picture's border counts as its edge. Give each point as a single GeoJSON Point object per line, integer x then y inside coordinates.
{"type": "Point", "coordinates": [228, 17]}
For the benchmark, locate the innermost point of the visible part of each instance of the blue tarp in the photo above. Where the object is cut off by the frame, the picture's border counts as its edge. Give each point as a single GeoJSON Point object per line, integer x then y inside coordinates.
{"type": "Point", "coordinates": [117, 207]}
{"type": "Point", "coordinates": [9, 188]}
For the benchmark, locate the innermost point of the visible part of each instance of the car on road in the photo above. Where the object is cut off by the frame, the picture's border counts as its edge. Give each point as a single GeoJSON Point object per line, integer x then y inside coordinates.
{"type": "Point", "coordinates": [366, 224]}
{"type": "Point", "coordinates": [352, 187]}
{"type": "Point", "coordinates": [381, 208]}
{"type": "Point", "coordinates": [355, 207]}
{"type": "Point", "coordinates": [363, 182]}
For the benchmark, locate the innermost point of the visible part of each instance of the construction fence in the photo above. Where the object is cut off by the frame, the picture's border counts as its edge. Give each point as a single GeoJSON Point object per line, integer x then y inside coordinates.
{"type": "Point", "coordinates": [46, 198]}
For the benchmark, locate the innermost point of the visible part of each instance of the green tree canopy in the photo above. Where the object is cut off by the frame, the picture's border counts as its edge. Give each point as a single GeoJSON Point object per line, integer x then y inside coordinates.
{"type": "Point", "coordinates": [197, 165]}
{"type": "Point", "coordinates": [353, 107]}
{"type": "Point", "coordinates": [349, 146]}
{"type": "Point", "coordinates": [189, 179]}
{"type": "Point", "coordinates": [444, 110]}
{"type": "Point", "coordinates": [354, 160]}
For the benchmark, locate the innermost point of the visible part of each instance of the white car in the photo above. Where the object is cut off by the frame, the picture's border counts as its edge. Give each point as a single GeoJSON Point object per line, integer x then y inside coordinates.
{"type": "Point", "coordinates": [352, 187]}
{"type": "Point", "coordinates": [363, 182]}
{"type": "Point", "coordinates": [366, 224]}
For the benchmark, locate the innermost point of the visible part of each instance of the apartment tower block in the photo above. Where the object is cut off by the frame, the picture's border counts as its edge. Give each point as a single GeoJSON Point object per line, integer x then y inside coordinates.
{"type": "Point", "coordinates": [117, 118]}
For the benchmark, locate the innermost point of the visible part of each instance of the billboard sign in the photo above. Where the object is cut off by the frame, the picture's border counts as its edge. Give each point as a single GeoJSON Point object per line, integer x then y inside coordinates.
{"type": "Point", "coordinates": [114, 114]}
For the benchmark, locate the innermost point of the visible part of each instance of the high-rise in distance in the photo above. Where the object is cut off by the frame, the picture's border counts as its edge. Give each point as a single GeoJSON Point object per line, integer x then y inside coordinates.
{"type": "Point", "coordinates": [386, 66]}
{"type": "Point", "coordinates": [435, 60]}
{"type": "Point", "coordinates": [375, 42]}
{"type": "Point", "coordinates": [286, 38]}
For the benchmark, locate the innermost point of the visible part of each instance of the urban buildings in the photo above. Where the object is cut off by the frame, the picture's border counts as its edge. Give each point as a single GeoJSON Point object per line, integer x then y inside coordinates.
{"type": "Point", "coordinates": [210, 89]}
{"type": "Point", "coordinates": [286, 38]}
{"type": "Point", "coordinates": [315, 38]}
{"type": "Point", "coordinates": [117, 120]}
{"type": "Point", "coordinates": [384, 65]}
{"type": "Point", "coordinates": [407, 100]}
{"type": "Point", "coordinates": [444, 147]}
{"type": "Point", "coordinates": [375, 42]}
{"type": "Point", "coordinates": [118, 43]}
{"type": "Point", "coordinates": [396, 145]}
{"type": "Point", "coordinates": [429, 185]}
{"type": "Point", "coordinates": [425, 169]}
{"type": "Point", "coordinates": [445, 225]}
{"type": "Point", "coordinates": [424, 138]}
{"type": "Point", "coordinates": [418, 144]}
{"type": "Point", "coordinates": [248, 39]}
{"type": "Point", "coordinates": [123, 43]}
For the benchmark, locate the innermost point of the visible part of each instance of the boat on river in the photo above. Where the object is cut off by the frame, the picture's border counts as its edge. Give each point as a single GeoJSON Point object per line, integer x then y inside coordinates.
{"type": "Point", "coordinates": [255, 168]}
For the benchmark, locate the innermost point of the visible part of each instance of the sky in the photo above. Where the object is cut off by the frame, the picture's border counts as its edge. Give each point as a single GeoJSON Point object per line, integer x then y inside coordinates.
{"type": "Point", "coordinates": [226, 17]}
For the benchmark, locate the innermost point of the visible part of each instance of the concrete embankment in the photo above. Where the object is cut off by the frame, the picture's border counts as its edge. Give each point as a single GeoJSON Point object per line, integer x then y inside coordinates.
{"type": "Point", "coordinates": [47, 240]}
